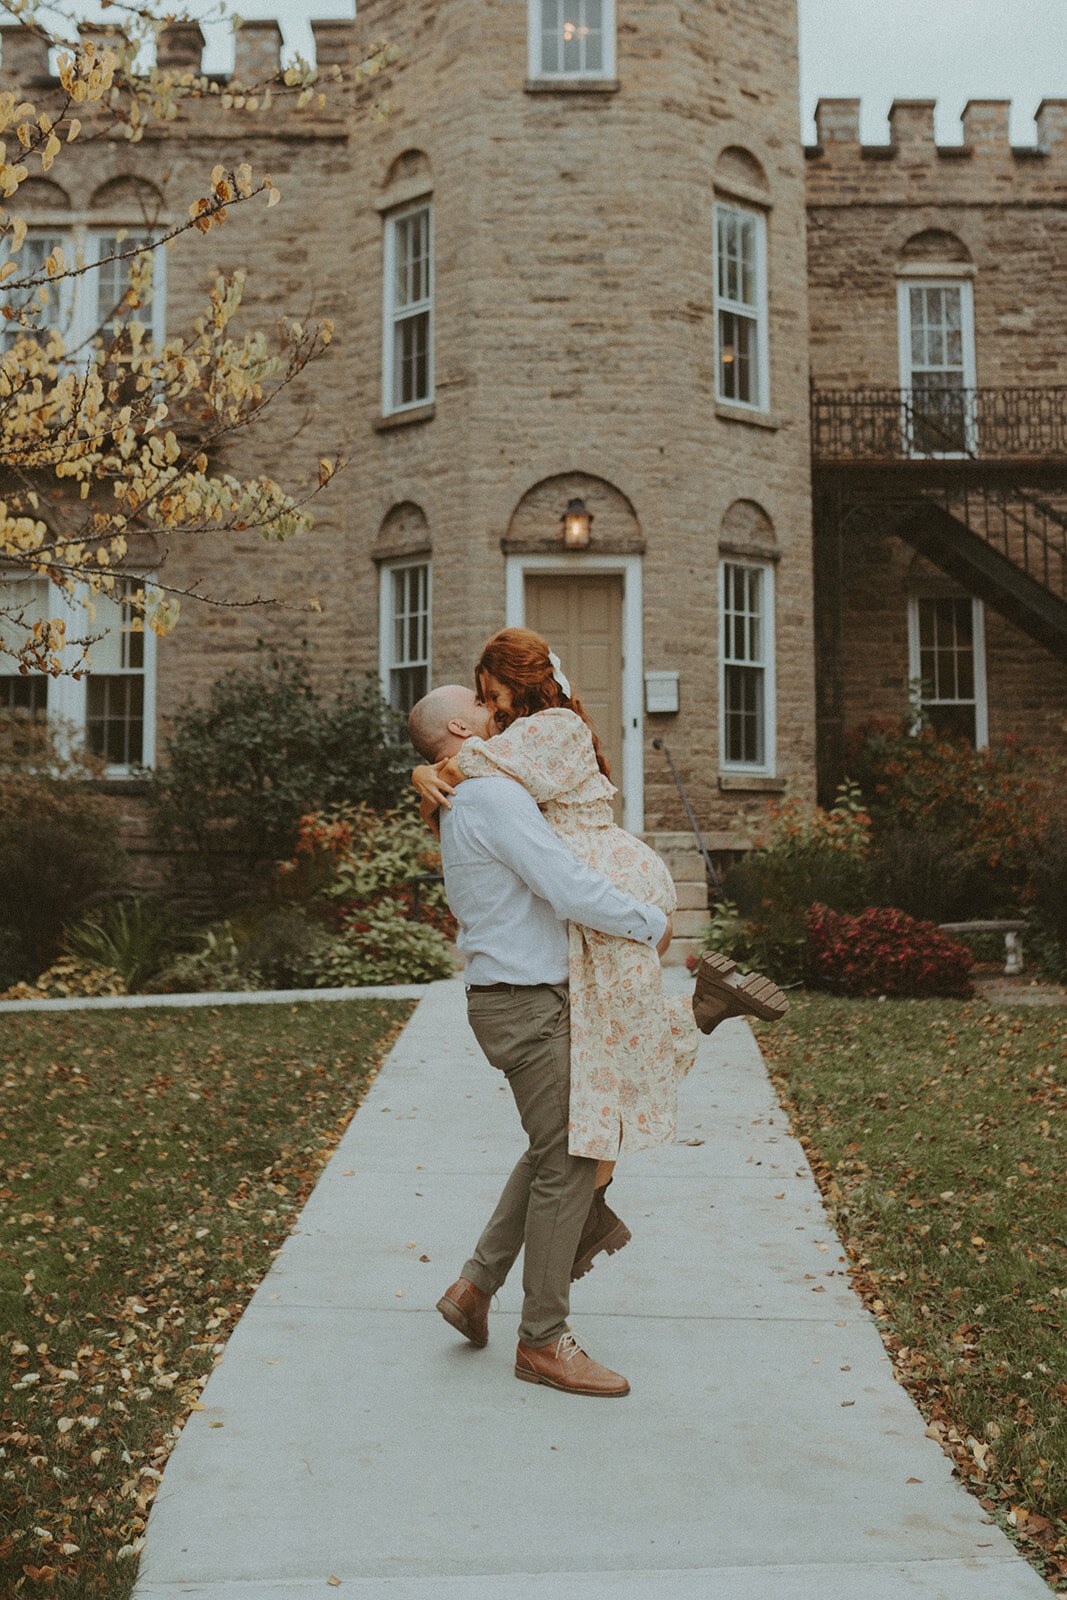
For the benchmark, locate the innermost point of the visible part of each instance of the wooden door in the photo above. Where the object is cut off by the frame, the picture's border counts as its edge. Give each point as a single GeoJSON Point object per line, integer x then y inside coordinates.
{"type": "Point", "coordinates": [581, 617]}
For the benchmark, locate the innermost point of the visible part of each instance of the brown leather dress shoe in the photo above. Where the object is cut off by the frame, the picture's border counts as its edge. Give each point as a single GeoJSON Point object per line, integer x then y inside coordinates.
{"type": "Point", "coordinates": [603, 1232]}
{"type": "Point", "coordinates": [467, 1309]}
{"type": "Point", "coordinates": [565, 1365]}
{"type": "Point", "coordinates": [721, 992]}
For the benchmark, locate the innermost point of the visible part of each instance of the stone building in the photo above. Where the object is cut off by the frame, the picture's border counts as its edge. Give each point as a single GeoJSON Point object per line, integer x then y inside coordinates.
{"type": "Point", "coordinates": [570, 278]}
{"type": "Point", "coordinates": [938, 337]}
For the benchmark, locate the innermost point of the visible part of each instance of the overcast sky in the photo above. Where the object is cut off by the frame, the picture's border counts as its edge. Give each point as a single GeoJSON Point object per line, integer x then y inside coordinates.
{"type": "Point", "coordinates": [879, 50]}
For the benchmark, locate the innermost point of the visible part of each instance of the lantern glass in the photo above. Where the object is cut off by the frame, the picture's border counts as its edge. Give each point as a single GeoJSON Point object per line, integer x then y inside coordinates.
{"type": "Point", "coordinates": [576, 526]}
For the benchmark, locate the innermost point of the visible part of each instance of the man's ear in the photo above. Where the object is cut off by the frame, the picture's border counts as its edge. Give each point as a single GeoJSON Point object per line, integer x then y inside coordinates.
{"type": "Point", "coordinates": [459, 729]}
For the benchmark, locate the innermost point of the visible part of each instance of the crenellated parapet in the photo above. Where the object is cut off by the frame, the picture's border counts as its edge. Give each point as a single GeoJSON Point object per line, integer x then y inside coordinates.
{"type": "Point", "coordinates": [985, 124]}
{"type": "Point", "coordinates": [180, 49]}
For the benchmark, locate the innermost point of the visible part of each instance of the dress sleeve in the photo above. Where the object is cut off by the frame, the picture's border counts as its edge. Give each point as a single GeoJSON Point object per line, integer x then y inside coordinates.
{"type": "Point", "coordinates": [550, 754]}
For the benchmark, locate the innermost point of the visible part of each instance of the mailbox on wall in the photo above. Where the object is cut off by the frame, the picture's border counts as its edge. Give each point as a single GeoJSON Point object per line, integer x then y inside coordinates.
{"type": "Point", "coordinates": [661, 693]}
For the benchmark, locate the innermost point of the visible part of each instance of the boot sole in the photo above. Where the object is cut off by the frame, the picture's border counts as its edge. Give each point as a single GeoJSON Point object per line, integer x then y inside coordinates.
{"type": "Point", "coordinates": [752, 993]}
{"type": "Point", "coordinates": [460, 1321]}
{"type": "Point", "coordinates": [607, 1246]}
{"type": "Point", "coordinates": [567, 1388]}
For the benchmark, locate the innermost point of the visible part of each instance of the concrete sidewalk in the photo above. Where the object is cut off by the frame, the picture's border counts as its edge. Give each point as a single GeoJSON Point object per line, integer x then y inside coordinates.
{"type": "Point", "coordinates": [765, 1450]}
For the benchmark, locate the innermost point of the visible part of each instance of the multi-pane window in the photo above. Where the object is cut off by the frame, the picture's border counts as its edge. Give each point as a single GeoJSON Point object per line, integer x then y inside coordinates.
{"type": "Point", "coordinates": [110, 706]}
{"type": "Point", "coordinates": [57, 308]}
{"type": "Point", "coordinates": [115, 686]}
{"type": "Point", "coordinates": [948, 664]}
{"type": "Point", "coordinates": [23, 601]}
{"type": "Point", "coordinates": [112, 278]}
{"type": "Point", "coordinates": [746, 633]}
{"type": "Point", "coordinates": [572, 38]}
{"type": "Point", "coordinates": [78, 306]}
{"type": "Point", "coordinates": [937, 362]}
{"type": "Point", "coordinates": [405, 633]}
{"type": "Point", "coordinates": [408, 355]}
{"type": "Point", "coordinates": [740, 306]}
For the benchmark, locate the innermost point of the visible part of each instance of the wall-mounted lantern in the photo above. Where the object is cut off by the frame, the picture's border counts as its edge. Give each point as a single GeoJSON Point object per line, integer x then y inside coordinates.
{"type": "Point", "coordinates": [577, 522]}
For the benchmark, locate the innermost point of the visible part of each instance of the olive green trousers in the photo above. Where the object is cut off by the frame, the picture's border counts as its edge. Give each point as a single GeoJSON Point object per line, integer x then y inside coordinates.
{"type": "Point", "coordinates": [525, 1033]}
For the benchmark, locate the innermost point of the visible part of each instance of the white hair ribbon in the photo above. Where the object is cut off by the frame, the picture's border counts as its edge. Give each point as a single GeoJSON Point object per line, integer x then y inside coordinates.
{"type": "Point", "coordinates": [559, 674]}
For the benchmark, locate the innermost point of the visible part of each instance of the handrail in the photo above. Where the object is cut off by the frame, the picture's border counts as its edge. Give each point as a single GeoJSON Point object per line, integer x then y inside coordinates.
{"type": "Point", "coordinates": [1023, 423]}
{"type": "Point", "coordinates": [658, 744]}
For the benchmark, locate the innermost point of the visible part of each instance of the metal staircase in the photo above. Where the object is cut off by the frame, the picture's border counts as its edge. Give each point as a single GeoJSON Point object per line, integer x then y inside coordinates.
{"type": "Point", "coordinates": [973, 479]}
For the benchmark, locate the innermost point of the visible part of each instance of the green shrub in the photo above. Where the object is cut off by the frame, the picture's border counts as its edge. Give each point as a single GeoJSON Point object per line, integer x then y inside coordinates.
{"type": "Point", "coordinates": [215, 967]}
{"type": "Point", "coordinates": [382, 945]}
{"type": "Point", "coordinates": [58, 842]}
{"type": "Point", "coordinates": [350, 857]}
{"type": "Point", "coordinates": [987, 804]}
{"type": "Point", "coordinates": [133, 937]}
{"type": "Point", "coordinates": [1047, 900]}
{"type": "Point", "coordinates": [266, 749]}
{"type": "Point", "coordinates": [71, 977]}
{"type": "Point", "coordinates": [801, 853]}
{"type": "Point", "coordinates": [884, 951]}
{"type": "Point", "coordinates": [769, 940]}
{"type": "Point", "coordinates": [921, 873]}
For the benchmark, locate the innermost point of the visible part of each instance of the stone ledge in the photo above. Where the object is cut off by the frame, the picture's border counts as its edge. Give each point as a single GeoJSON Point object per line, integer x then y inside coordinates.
{"type": "Point", "coordinates": [742, 782]}
{"type": "Point", "coordinates": [754, 419]}
{"type": "Point", "coordinates": [571, 86]}
{"type": "Point", "coordinates": [401, 419]}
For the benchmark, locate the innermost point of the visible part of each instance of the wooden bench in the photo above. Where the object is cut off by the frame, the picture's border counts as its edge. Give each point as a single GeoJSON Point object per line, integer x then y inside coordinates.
{"type": "Point", "coordinates": [1013, 944]}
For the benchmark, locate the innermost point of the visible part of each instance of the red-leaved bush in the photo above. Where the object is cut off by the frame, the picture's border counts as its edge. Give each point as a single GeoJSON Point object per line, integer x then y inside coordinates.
{"type": "Point", "coordinates": [884, 951]}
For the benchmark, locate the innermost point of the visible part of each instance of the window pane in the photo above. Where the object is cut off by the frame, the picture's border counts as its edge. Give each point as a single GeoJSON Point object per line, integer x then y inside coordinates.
{"type": "Point", "coordinates": [744, 668]}
{"type": "Point", "coordinates": [29, 694]}
{"type": "Point", "coordinates": [411, 360]}
{"type": "Point", "coordinates": [114, 722]}
{"type": "Point", "coordinates": [572, 36]}
{"type": "Point", "coordinates": [550, 36]}
{"type": "Point", "coordinates": [947, 665]}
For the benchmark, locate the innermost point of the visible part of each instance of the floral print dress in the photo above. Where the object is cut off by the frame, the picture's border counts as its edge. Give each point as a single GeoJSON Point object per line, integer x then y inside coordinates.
{"type": "Point", "coordinates": [630, 1043]}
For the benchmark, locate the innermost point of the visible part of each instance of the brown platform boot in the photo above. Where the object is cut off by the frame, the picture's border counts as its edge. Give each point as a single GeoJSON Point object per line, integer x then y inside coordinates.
{"type": "Point", "coordinates": [603, 1232]}
{"type": "Point", "coordinates": [721, 992]}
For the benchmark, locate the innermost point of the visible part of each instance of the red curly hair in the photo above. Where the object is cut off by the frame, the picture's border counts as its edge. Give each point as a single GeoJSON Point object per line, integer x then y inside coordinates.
{"type": "Point", "coordinates": [518, 658]}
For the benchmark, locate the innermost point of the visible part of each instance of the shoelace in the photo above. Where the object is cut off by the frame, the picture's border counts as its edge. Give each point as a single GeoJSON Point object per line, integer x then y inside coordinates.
{"type": "Point", "coordinates": [567, 1347]}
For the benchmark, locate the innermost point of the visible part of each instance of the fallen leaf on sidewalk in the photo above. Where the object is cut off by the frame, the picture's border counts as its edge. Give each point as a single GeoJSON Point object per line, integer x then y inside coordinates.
{"type": "Point", "coordinates": [913, 1480]}
{"type": "Point", "coordinates": [333, 1583]}
{"type": "Point", "coordinates": [848, 1402]}
{"type": "Point", "coordinates": [694, 1141]}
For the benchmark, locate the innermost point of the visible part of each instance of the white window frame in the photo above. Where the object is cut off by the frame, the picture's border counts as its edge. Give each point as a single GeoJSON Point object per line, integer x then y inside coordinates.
{"type": "Point", "coordinates": [534, 67]}
{"type": "Point", "coordinates": [633, 703]}
{"type": "Point", "coordinates": [981, 701]}
{"type": "Point", "coordinates": [387, 662]}
{"type": "Point", "coordinates": [767, 663]}
{"type": "Point", "coordinates": [68, 697]}
{"type": "Point", "coordinates": [79, 296]}
{"type": "Point", "coordinates": [906, 281]}
{"type": "Point", "coordinates": [393, 315]}
{"type": "Point", "coordinates": [758, 315]}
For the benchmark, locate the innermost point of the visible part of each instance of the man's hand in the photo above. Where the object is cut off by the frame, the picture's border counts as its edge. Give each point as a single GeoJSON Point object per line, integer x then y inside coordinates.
{"type": "Point", "coordinates": [664, 944]}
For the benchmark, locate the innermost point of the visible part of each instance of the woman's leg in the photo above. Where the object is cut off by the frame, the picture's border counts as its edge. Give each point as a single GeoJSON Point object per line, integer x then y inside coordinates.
{"type": "Point", "coordinates": [604, 1170]}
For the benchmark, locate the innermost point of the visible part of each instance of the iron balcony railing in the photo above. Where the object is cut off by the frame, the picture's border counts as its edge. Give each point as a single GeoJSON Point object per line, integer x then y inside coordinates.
{"type": "Point", "coordinates": [939, 422]}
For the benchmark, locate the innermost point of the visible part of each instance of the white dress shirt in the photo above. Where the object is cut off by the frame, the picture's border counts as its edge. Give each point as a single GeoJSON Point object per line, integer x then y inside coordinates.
{"type": "Point", "coordinates": [513, 887]}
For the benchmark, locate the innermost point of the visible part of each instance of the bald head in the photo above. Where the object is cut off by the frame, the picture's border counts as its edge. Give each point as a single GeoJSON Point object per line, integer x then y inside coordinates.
{"type": "Point", "coordinates": [442, 719]}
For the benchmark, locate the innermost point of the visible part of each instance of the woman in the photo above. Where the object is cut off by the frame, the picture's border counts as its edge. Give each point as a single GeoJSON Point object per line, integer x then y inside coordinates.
{"type": "Point", "coordinates": [630, 1043]}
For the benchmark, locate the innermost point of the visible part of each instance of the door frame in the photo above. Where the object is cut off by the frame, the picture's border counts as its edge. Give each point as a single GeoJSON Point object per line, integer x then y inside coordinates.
{"type": "Point", "coordinates": [629, 568]}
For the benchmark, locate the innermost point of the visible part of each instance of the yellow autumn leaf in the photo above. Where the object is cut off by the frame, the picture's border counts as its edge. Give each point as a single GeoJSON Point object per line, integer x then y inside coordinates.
{"type": "Point", "coordinates": [74, 129]}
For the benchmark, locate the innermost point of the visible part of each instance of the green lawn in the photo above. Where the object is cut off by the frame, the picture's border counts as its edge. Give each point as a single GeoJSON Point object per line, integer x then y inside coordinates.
{"type": "Point", "coordinates": [936, 1131]}
{"type": "Point", "coordinates": [151, 1164]}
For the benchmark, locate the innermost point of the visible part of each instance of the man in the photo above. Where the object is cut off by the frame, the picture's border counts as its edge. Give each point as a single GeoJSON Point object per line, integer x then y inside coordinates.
{"type": "Point", "coordinates": [513, 887]}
